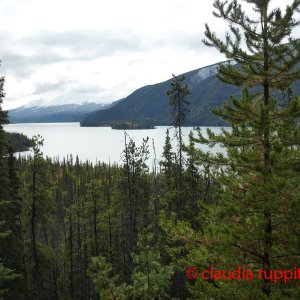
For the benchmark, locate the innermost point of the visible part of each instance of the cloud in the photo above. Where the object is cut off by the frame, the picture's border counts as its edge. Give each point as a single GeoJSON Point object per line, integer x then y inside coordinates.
{"type": "Point", "coordinates": [22, 57]}
{"type": "Point", "coordinates": [69, 66]}
{"type": "Point", "coordinates": [98, 50]}
{"type": "Point", "coordinates": [88, 44]}
{"type": "Point", "coordinates": [101, 50]}
{"type": "Point", "coordinates": [67, 90]}
{"type": "Point", "coordinates": [42, 88]}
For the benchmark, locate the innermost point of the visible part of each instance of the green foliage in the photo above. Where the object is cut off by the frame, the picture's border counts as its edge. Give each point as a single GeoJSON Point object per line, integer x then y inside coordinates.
{"type": "Point", "coordinates": [105, 285]}
{"type": "Point", "coordinates": [151, 279]}
{"type": "Point", "coordinates": [5, 275]}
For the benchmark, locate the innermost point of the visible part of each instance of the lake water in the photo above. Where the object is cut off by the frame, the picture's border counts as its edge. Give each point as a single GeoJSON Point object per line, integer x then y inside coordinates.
{"type": "Point", "coordinates": [96, 144]}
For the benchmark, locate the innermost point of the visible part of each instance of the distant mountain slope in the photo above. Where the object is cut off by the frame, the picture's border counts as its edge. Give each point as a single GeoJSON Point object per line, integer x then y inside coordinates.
{"type": "Point", "coordinates": [52, 113]}
{"type": "Point", "coordinates": [151, 102]}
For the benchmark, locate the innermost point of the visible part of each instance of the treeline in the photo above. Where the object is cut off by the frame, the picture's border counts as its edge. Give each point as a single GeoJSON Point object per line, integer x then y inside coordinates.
{"type": "Point", "coordinates": [145, 123]}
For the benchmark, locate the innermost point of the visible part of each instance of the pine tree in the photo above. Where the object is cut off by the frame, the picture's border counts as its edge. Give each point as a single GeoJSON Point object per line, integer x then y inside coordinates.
{"type": "Point", "coordinates": [168, 158]}
{"type": "Point", "coordinates": [134, 188]}
{"type": "Point", "coordinates": [106, 285]}
{"type": "Point", "coordinates": [8, 234]}
{"type": "Point", "coordinates": [150, 278]}
{"type": "Point", "coordinates": [12, 247]}
{"type": "Point", "coordinates": [168, 166]}
{"type": "Point", "coordinates": [4, 181]}
{"type": "Point", "coordinates": [6, 274]}
{"type": "Point", "coordinates": [260, 173]}
{"type": "Point", "coordinates": [179, 104]}
{"type": "Point", "coordinates": [36, 193]}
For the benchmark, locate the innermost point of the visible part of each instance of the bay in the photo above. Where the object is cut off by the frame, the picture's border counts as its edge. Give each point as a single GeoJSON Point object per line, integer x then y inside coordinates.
{"type": "Point", "coordinates": [97, 144]}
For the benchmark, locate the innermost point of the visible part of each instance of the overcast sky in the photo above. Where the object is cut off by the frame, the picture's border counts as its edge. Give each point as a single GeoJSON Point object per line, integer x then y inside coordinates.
{"type": "Point", "coordinates": [71, 51]}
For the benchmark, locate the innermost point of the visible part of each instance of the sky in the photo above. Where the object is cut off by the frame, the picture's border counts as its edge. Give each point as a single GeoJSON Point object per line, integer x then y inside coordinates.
{"type": "Point", "coordinates": [74, 51]}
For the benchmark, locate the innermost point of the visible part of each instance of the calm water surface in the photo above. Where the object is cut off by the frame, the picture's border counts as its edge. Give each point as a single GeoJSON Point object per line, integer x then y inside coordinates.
{"type": "Point", "coordinates": [95, 143]}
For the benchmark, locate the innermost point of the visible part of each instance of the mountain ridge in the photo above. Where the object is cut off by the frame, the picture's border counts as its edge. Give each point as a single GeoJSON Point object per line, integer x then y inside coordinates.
{"type": "Point", "coordinates": [146, 105]}
{"type": "Point", "coordinates": [151, 102]}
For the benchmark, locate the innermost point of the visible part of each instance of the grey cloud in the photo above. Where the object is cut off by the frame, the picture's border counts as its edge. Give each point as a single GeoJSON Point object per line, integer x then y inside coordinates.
{"type": "Point", "coordinates": [22, 57]}
{"type": "Point", "coordinates": [190, 40]}
{"type": "Point", "coordinates": [68, 86]}
{"type": "Point", "coordinates": [41, 88]}
{"type": "Point", "coordinates": [15, 61]}
{"type": "Point", "coordinates": [88, 89]}
{"type": "Point", "coordinates": [22, 65]}
{"type": "Point", "coordinates": [88, 45]}
{"type": "Point", "coordinates": [84, 46]}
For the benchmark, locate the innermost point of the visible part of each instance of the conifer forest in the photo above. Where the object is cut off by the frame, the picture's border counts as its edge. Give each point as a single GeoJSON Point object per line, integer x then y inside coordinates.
{"type": "Point", "coordinates": [195, 225]}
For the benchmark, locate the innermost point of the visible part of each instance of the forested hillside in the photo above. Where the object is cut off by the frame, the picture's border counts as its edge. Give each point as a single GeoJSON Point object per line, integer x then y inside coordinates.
{"type": "Point", "coordinates": [18, 142]}
{"type": "Point", "coordinates": [196, 225]}
{"type": "Point", "coordinates": [151, 102]}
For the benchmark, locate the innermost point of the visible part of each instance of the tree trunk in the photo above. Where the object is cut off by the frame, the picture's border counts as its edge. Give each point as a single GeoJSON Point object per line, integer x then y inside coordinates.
{"type": "Point", "coordinates": [36, 276]}
{"type": "Point", "coordinates": [71, 256]}
{"type": "Point", "coordinates": [267, 242]}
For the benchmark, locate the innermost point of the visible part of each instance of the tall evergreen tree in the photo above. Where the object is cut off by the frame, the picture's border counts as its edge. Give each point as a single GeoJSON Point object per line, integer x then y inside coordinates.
{"type": "Point", "coordinates": [134, 187]}
{"type": "Point", "coordinates": [6, 274]}
{"type": "Point", "coordinates": [168, 170]}
{"type": "Point", "coordinates": [9, 209]}
{"type": "Point", "coordinates": [37, 204]}
{"type": "Point", "coordinates": [179, 104]}
{"type": "Point", "coordinates": [3, 146]}
{"type": "Point", "coordinates": [260, 173]}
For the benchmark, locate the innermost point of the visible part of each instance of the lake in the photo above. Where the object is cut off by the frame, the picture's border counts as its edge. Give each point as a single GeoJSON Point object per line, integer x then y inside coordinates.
{"type": "Point", "coordinates": [96, 144]}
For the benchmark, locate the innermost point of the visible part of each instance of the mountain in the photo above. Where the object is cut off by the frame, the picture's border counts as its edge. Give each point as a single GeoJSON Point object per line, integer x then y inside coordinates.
{"type": "Point", "coordinates": [147, 105]}
{"type": "Point", "coordinates": [53, 113]}
{"type": "Point", "coordinates": [151, 102]}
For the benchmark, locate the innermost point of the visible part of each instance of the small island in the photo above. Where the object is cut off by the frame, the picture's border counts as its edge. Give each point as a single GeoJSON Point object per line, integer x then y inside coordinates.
{"type": "Point", "coordinates": [126, 124]}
